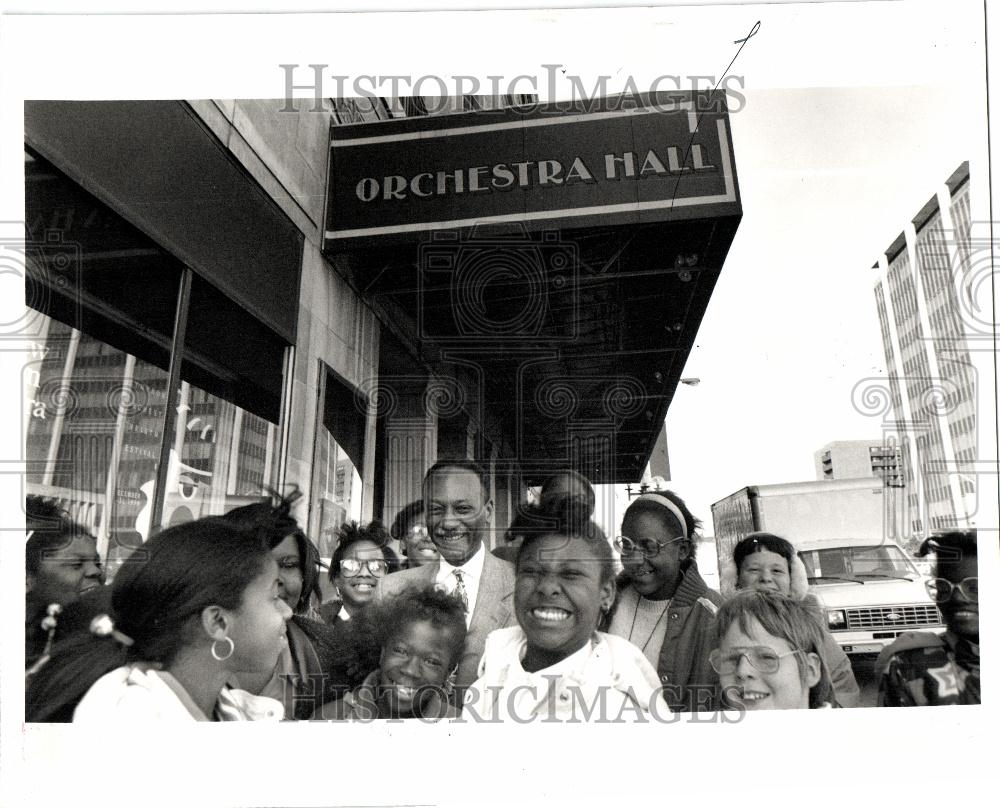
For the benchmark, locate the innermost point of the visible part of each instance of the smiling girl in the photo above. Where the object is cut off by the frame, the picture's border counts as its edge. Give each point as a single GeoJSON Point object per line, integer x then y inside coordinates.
{"type": "Point", "coordinates": [664, 606]}
{"type": "Point", "coordinates": [413, 641]}
{"type": "Point", "coordinates": [362, 557]}
{"type": "Point", "coordinates": [314, 650]}
{"type": "Point", "coordinates": [554, 664]}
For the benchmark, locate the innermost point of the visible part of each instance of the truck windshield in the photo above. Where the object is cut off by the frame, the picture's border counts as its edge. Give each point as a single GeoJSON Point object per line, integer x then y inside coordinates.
{"type": "Point", "coordinates": [857, 564]}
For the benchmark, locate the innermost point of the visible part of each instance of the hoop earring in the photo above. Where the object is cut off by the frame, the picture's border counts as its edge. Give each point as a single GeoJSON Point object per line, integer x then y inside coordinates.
{"type": "Point", "coordinates": [232, 648]}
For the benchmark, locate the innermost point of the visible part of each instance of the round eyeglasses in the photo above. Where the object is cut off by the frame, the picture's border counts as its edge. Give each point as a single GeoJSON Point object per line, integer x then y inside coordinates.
{"type": "Point", "coordinates": [764, 659]}
{"type": "Point", "coordinates": [648, 547]}
{"type": "Point", "coordinates": [941, 589]}
{"type": "Point", "coordinates": [349, 567]}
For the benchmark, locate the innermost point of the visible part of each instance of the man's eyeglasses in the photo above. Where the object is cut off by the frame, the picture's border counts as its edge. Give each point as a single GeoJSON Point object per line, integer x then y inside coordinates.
{"type": "Point", "coordinates": [648, 547]}
{"type": "Point", "coordinates": [940, 589]}
{"type": "Point", "coordinates": [349, 567]}
{"type": "Point", "coordinates": [764, 659]}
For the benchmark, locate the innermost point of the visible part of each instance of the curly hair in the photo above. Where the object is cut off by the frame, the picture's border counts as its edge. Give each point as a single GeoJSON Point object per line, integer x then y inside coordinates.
{"type": "Point", "coordinates": [350, 533]}
{"type": "Point", "coordinates": [379, 622]}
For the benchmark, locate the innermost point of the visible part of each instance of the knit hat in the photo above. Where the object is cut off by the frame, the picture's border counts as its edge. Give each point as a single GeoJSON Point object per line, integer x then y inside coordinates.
{"type": "Point", "coordinates": [798, 584]}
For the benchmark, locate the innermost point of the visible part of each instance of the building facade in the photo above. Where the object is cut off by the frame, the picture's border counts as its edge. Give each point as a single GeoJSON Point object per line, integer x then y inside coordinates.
{"type": "Point", "coordinates": [921, 279]}
{"type": "Point", "coordinates": [206, 327]}
{"type": "Point", "coordinates": [847, 459]}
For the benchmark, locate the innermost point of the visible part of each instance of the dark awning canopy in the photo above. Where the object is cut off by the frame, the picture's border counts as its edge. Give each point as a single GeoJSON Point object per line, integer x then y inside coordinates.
{"type": "Point", "coordinates": [577, 301]}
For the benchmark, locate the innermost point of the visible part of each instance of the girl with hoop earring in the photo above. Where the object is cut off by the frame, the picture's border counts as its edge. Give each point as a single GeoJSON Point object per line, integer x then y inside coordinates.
{"type": "Point", "coordinates": [177, 632]}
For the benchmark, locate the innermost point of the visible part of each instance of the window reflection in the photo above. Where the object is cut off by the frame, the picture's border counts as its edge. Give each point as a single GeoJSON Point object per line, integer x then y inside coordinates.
{"type": "Point", "coordinates": [93, 424]}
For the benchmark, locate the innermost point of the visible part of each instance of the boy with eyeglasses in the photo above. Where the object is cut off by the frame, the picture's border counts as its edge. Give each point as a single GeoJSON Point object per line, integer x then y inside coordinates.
{"type": "Point", "coordinates": [921, 668]}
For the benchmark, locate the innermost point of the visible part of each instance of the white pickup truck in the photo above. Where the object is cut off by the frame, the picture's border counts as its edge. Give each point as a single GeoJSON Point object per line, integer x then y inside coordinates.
{"type": "Point", "coordinates": [869, 588]}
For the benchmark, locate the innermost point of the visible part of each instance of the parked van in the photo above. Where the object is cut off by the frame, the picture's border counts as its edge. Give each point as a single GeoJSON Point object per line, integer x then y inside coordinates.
{"type": "Point", "coordinates": [869, 588]}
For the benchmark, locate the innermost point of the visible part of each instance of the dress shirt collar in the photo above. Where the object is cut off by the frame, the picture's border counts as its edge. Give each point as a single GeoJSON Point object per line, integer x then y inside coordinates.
{"type": "Point", "coordinates": [472, 570]}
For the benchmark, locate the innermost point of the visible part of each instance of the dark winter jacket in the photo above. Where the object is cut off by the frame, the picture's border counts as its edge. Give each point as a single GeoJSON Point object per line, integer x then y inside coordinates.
{"type": "Point", "coordinates": [689, 682]}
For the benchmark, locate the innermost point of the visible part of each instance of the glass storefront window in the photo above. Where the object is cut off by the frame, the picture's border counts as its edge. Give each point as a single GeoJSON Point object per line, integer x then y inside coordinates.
{"type": "Point", "coordinates": [223, 457]}
{"type": "Point", "coordinates": [338, 484]}
{"type": "Point", "coordinates": [338, 454]}
{"type": "Point", "coordinates": [96, 390]}
{"type": "Point", "coordinates": [94, 430]}
{"type": "Point", "coordinates": [94, 423]}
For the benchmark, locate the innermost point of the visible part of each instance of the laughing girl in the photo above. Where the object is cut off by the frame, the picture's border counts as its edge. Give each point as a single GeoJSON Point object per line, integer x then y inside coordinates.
{"type": "Point", "coordinates": [555, 665]}
{"type": "Point", "coordinates": [413, 641]}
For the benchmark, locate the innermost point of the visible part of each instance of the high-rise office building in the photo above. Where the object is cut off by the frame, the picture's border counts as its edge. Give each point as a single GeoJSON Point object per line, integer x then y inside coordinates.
{"type": "Point", "coordinates": [932, 391]}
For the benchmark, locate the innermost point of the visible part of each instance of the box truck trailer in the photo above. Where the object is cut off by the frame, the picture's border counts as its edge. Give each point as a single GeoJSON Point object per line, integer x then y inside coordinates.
{"type": "Point", "coordinates": [869, 588]}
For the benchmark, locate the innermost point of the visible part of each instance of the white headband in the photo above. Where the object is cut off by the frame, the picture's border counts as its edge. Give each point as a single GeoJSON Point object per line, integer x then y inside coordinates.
{"type": "Point", "coordinates": [670, 506]}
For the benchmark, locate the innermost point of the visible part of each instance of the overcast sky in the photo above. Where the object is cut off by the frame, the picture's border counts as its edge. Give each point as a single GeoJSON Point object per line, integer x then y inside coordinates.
{"type": "Point", "coordinates": [829, 177]}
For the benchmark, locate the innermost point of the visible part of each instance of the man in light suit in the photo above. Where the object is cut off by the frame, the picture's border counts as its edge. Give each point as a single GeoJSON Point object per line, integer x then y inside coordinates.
{"type": "Point", "coordinates": [457, 509]}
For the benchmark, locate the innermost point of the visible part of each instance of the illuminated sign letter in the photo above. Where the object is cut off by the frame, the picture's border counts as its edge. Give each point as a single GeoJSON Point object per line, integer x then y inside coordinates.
{"type": "Point", "coordinates": [474, 176]}
{"type": "Point", "coordinates": [457, 180]}
{"type": "Point", "coordinates": [699, 161]}
{"type": "Point", "coordinates": [578, 172]}
{"type": "Point", "coordinates": [652, 165]}
{"type": "Point", "coordinates": [367, 189]}
{"type": "Point", "coordinates": [395, 187]}
{"type": "Point", "coordinates": [503, 177]}
{"type": "Point", "coordinates": [415, 185]}
{"type": "Point", "coordinates": [611, 165]}
{"type": "Point", "coordinates": [549, 171]}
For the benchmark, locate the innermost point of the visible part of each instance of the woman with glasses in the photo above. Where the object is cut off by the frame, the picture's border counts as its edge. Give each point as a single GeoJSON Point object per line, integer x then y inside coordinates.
{"type": "Point", "coordinates": [362, 557]}
{"type": "Point", "coordinates": [664, 607]}
{"type": "Point", "coordinates": [769, 654]}
{"type": "Point", "coordinates": [924, 669]}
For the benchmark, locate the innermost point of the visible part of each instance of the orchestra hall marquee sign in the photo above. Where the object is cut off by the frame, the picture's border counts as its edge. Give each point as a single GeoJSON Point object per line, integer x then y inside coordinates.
{"type": "Point", "coordinates": [613, 161]}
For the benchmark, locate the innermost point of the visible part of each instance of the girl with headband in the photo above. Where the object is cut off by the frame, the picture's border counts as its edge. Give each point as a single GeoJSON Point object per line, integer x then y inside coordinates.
{"type": "Point", "coordinates": [664, 607]}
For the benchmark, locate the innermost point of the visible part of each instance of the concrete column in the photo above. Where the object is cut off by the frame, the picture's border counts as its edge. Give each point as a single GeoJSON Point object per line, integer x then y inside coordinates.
{"type": "Point", "coordinates": [411, 439]}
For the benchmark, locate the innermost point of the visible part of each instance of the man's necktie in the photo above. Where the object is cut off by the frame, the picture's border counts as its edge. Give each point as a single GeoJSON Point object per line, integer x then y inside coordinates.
{"type": "Point", "coordinates": [460, 589]}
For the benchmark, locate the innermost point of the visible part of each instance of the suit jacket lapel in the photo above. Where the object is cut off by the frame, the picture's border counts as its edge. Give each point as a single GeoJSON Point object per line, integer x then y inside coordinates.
{"type": "Point", "coordinates": [491, 612]}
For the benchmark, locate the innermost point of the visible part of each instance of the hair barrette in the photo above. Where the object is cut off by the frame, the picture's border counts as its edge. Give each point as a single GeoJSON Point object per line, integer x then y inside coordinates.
{"type": "Point", "coordinates": [103, 626]}
{"type": "Point", "coordinates": [49, 622]}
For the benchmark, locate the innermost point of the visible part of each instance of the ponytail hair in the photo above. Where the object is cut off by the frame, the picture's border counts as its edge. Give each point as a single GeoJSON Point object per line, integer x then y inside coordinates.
{"type": "Point", "coordinates": [566, 518]}
{"type": "Point", "coordinates": [161, 588]}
